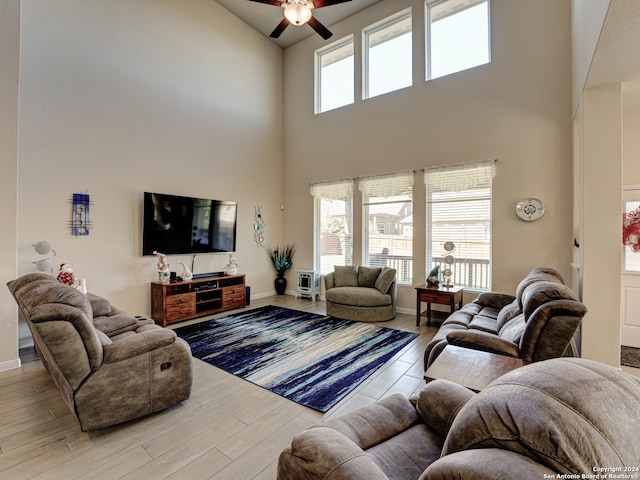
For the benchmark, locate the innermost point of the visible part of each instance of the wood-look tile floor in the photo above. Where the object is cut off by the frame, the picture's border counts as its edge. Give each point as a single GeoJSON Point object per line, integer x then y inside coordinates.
{"type": "Point", "coordinates": [228, 429]}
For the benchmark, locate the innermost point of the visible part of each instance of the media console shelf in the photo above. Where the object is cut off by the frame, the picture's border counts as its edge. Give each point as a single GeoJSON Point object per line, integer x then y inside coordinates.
{"type": "Point", "coordinates": [178, 301]}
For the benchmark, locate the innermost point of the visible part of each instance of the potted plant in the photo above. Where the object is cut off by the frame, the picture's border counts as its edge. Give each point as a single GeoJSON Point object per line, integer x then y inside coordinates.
{"type": "Point", "coordinates": [282, 259]}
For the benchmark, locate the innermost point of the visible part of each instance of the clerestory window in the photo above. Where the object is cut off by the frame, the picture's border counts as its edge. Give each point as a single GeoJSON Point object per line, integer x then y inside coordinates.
{"type": "Point", "coordinates": [458, 36]}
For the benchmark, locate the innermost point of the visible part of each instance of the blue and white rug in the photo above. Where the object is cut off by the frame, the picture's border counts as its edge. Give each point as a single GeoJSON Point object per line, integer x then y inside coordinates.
{"type": "Point", "coordinates": [310, 359]}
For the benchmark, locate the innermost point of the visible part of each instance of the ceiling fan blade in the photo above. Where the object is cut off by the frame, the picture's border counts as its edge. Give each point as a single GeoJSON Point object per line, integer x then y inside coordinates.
{"type": "Point", "coordinates": [280, 28]}
{"type": "Point", "coordinates": [275, 3]}
{"type": "Point", "coordinates": [327, 3]}
{"type": "Point", "coordinates": [318, 27]}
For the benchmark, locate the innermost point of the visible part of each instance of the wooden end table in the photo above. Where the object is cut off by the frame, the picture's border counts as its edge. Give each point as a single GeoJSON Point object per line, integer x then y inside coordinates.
{"type": "Point", "coordinates": [473, 369]}
{"type": "Point", "coordinates": [442, 295]}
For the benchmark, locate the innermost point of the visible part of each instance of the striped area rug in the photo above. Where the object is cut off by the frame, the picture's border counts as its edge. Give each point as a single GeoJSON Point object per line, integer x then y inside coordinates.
{"type": "Point", "coordinates": [310, 359]}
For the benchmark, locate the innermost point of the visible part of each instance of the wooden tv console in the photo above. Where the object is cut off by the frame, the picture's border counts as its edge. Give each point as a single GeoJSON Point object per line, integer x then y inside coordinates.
{"type": "Point", "coordinates": [178, 301]}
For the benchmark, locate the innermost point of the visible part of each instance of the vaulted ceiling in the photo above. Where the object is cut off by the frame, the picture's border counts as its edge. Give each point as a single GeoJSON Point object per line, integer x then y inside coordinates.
{"type": "Point", "coordinates": [264, 18]}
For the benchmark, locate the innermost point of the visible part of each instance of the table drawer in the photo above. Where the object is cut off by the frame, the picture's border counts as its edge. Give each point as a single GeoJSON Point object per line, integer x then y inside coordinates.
{"type": "Point", "coordinates": [233, 299]}
{"type": "Point", "coordinates": [179, 306]}
{"type": "Point", "coordinates": [435, 297]}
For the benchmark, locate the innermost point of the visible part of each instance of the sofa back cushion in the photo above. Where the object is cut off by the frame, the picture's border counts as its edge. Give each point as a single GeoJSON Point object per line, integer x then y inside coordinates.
{"type": "Point", "coordinates": [536, 275]}
{"type": "Point", "coordinates": [345, 276]}
{"type": "Point", "coordinates": [385, 279]}
{"type": "Point", "coordinates": [506, 314]}
{"type": "Point", "coordinates": [63, 320]}
{"type": "Point", "coordinates": [367, 276]}
{"type": "Point", "coordinates": [559, 413]}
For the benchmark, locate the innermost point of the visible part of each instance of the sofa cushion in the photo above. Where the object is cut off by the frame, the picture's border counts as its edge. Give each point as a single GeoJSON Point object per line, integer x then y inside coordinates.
{"type": "Point", "coordinates": [385, 279]}
{"type": "Point", "coordinates": [512, 330]}
{"type": "Point", "coordinates": [101, 306]}
{"type": "Point", "coordinates": [367, 276]}
{"type": "Point", "coordinates": [357, 297]}
{"type": "Point", "coordinates": [557, 413]}
{"type": "Point", "coordinates": [345, 276]}
{"type": "Point", "coordinates": [542, 292]}
{"type": "Point", "coordinates": [507, 313]}
{"type": "Point", "coordinates": [486, 324]}
{"type": "Point", "coordinates": [115, 324]}
{"type": "Point", "coordinates": [530, 279]}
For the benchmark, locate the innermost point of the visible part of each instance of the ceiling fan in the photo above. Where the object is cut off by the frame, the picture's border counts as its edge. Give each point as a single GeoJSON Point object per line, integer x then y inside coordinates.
{"type": "Point", "coordinates": [298, 12]}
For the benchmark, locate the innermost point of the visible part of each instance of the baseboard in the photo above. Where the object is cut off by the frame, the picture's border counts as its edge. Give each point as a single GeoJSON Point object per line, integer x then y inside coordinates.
{"type": "Point", "coordinates": [408, 311]}
{"type": "Point", "coordinates": [10, 365]}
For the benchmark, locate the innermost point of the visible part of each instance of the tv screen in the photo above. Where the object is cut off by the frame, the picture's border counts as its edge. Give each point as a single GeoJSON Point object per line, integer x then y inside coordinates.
{"type": "Point", "coordinates": [185, 225]}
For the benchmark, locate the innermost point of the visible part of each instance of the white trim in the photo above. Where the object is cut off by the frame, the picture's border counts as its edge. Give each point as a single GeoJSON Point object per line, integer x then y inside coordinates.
{"type": "Point", "coordinates": [10, 365]}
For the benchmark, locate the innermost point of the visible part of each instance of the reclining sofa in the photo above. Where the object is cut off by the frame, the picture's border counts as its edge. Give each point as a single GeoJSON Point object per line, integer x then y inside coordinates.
{"type": "Point", "coordinates": [536, 324]}
{"type": "Point", "coordinates": [551, 419]}
{"type": "Point", "coordinates": [109, 366]}
{"type": "Point", "coordinates": [362, 294]}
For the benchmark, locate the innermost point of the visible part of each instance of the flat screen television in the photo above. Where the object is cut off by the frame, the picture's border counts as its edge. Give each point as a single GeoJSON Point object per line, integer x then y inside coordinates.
{"type": "Point", "coordinates": [185, 225]}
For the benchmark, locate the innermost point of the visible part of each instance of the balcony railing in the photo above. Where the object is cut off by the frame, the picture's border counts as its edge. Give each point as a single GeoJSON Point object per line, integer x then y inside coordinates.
{"type": "Point", "coordinates": [466, 272]}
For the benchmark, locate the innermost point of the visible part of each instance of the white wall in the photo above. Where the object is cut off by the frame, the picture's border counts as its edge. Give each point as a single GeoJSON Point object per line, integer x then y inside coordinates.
{"type": "Point", "coordinates": [9, 84]}
{"type": "Point", "coordinates": [516, 109]}
{"type": "Point", "coordinates": [118, 97]}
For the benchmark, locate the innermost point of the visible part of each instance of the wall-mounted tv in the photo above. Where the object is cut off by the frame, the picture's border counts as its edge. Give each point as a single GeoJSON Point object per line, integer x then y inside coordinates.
{"type": "Point", "coordinates": [185, 225]}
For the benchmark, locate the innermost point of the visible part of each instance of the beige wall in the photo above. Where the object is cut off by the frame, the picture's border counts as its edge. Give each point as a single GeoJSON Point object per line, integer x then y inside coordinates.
{"type": "Point", "coordinates": [516, 109]}
{"type": "Point", "coordinates": [587, 17]}
{"type": "Point", "coordinates": [631, 127]}
{"type": "Point", "coordinates": [602, 204]}
{"type": "Point", "coordinates": [120, 97]}
{"type": "Point", "coordinates": [9, 84]}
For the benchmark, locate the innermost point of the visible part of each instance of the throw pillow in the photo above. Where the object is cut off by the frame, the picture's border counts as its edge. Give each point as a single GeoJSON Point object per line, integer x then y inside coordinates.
{"type": "Point", "coordinates": [367, 276]}
{"type": "Point", "coordinates": [385, 279]}
{"type": "Point", "coordinates": [345, 276]}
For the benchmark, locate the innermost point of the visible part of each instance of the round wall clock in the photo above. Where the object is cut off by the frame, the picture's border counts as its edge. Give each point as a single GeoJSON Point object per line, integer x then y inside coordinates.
{"type": "Point", "coordinates": [530, 209]}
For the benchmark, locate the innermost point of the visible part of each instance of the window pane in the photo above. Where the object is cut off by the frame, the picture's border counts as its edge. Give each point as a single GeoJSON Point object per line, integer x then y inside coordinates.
{"type": "Point", "coordinates": [335, 76]}
{"type": "Point", "coordinates": [464, 218]}
{"type": "Point", "coordinates": [458, 36]}
{"type": "Point", "coordinates": [388, 225]}
{"type": "Point", "coordinates": [334, 217]}
{"type": "Point", "coordinates": [388, 55]}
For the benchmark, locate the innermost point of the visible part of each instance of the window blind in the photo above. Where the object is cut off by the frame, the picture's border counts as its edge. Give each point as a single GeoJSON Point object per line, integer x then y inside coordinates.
{"type": "Point", "coordinates": [387, 202]}
{"type": "Point", "coordinates": [333, 224]}
{"type": "Point", "coordinates": [459, 211]}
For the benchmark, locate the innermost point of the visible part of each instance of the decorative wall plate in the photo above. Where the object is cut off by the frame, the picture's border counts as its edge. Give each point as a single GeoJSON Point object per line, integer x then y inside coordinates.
{"type": "Point", "coordinates": [529, 209]}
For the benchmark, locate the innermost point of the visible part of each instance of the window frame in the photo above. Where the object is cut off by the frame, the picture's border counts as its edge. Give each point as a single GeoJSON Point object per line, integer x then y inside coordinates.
{"type": "Point", "coordinates": [346, 41]}
{"type": "Point", "coordinates": [382, 187]}
{"type": "Point", "coordinates": [483, 180]}
{"type": "Point", "coordinates": [401, 16]}
{"type": "Point", "coordinates": [316, 191]}
{"type": "Point", "coordinates": [429, 5]}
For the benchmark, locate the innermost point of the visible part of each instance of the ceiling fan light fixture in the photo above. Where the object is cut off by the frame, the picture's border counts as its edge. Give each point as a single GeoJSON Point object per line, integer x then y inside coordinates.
{"type": "Point", "coordinates": [297, 13]}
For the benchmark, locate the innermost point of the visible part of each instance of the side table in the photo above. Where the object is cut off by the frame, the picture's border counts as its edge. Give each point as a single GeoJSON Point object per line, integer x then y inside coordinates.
{"type": "Point", "coordinates": [473, 369]}
{"type": "Point", "coordinates": [451, 296]}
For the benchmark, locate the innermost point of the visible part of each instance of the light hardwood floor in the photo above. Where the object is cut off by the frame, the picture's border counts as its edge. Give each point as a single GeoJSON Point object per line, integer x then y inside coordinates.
{"type": "Point", "coordinates": [228, 429]}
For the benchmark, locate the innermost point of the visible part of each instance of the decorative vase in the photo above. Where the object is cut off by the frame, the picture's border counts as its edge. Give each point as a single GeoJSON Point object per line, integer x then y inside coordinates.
{"type": "Point", "coordinates": [280, 284]}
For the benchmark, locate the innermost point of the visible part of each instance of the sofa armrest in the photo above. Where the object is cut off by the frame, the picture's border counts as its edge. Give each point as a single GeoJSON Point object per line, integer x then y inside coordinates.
{"type": "Point", "coordinates": [439, 402]}
{"type": "Point", "coordinates": [329, 281]}
{"type": "Point", "coordinates": [495, 300]}
{"type": "Point", "coordinates": [376, 423]}
{"type": "Point", "coordinates": [138, 344]}
{"type": "Point", "coordinates": [485, 464]}
{"type": "Point", "coordinates": [320, 452]}
{"type": "Point", "coordinates": [479, 340]}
